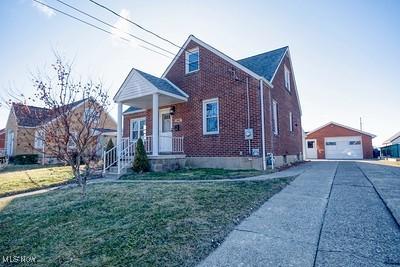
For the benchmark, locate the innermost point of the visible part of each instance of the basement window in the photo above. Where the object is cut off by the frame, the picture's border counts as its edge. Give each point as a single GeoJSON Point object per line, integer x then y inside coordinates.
{"type": "Point", "coordinates": [192, 60]}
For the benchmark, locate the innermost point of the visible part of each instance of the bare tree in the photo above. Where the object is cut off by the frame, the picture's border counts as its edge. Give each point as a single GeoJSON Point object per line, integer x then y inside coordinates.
{"type": "Point", "coordinates": [70, 121]}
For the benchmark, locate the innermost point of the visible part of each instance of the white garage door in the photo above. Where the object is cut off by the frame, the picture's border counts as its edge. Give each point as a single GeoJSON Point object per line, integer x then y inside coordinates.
{"type": "Point", "coordinates": [349, 147]}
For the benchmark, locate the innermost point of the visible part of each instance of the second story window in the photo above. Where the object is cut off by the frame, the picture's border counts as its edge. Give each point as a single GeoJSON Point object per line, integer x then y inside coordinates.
{"type": "Point", "coordinates": [192, 60]}
{"type": "Point", "coordinates": [287, 78]}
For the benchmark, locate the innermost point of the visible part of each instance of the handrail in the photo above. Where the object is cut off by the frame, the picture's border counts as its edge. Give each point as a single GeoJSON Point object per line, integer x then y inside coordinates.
{"type": "Point", "coordinates": [126, 149]}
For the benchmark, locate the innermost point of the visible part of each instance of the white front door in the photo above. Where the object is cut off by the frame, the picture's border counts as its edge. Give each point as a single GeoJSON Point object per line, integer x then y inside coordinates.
{"type": "Point", "coordinates": [311, 148]}
{"type": "Point", "coordinates": [165, 129]}
{"type": "Point", "coordinates": [349, 147]}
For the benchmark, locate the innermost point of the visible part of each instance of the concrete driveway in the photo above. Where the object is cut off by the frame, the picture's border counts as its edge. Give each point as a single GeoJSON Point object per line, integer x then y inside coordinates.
{"type": "Point", "coordinates": [334, 214]}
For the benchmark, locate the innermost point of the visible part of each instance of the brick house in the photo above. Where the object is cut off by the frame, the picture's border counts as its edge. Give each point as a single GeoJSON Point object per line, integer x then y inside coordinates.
{"type": "Point", "coordinates": [213, 111]}
{"type": "Point", "coordinates": [337, 141]}
{"type": "Point", "coordinates": [21, 132]}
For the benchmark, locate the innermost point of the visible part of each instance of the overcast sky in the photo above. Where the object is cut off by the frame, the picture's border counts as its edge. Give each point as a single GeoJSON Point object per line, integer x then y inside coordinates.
{"type": "Point", "coordinates": [345, 53]}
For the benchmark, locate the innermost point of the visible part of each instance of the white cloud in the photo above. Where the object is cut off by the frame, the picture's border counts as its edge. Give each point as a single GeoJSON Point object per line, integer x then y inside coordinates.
{"type": "Point", "coordinates": [123, 26]}
{"type": "Point", "coordinates": [44, 9]}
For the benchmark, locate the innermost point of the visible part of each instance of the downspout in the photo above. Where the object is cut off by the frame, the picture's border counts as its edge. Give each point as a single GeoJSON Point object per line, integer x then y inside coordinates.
{"type": "Point", "coordinates": [262, 125]}
{"type": "Point", "coordinates": [272, 134]}
{"type": "Point", "coordinates": [248, 111]}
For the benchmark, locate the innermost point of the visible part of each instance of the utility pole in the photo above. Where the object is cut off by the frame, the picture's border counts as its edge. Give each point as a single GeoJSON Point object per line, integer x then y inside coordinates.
{"type": "Point", "coordinates": [360, 124]}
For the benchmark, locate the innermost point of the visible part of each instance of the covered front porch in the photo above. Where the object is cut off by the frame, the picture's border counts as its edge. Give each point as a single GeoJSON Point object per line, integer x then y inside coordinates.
{"type": "Point", "coordinates": [154, 97]}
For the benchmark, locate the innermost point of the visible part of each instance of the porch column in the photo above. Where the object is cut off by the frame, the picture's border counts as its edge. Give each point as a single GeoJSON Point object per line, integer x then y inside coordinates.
{"type": "Point", "coordinates": [119, 135]}
{"type": "Point", "coordinates": [155, 124]}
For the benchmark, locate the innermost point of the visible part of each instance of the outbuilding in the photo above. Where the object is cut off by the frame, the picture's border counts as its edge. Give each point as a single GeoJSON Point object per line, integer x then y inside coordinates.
{"type": "Point", "coordinates": [337, 141]}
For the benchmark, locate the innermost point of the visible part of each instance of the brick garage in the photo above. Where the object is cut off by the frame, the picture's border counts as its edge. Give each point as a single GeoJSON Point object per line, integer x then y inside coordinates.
{"type": "Point", "coordinates": [336, 141]}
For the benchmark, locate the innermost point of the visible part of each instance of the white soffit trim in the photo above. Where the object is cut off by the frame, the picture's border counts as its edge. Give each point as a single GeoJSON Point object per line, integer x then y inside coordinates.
{"type": "Point", "coordinates": [218, 53]}
{"type": "Point", "coordinates": [343, 126]}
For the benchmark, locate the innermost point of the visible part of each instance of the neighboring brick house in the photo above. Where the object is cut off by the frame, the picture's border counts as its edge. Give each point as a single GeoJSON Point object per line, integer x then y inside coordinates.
{"type": "Point", "coordinates": [336, 141]}
{"type": "Point", "coordinates": [24, 120]}
{"type": "Point", "coordinates": [216, 111]}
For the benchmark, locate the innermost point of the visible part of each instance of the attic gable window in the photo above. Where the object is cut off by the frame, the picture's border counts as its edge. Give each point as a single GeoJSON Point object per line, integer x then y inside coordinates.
{"type": "Point", "coordinates": [287, 78]}
{"type": "Point", "coordinates": [192, 60]}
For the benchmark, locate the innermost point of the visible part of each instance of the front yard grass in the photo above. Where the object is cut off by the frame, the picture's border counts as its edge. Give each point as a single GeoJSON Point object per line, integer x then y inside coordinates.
{"type": "Point", "coordinates": [23, 178]}
{"type": "Point", "coordinates": [123, 224]}
{"type": "Point", "coordinates": [193, 174]}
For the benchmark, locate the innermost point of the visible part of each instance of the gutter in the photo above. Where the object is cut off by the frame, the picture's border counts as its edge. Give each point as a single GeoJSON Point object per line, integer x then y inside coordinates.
{"type": "Point", "coordinates": [262, 125]}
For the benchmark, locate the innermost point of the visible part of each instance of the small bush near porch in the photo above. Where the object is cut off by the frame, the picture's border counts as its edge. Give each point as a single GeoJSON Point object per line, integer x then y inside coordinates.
{"type": "Point", "coordinates": [129, 224]}
{"type": "Point", "coordinates": [194, 174]}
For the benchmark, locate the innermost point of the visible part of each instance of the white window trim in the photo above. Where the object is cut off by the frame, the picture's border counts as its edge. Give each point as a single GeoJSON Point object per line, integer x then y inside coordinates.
{"type": "Point", "coordinates": [275, 117]}
{"type": "Point", "coordinates": [187, 53]}
{"type": "Point", "coordinates": [287, 78]}
{"type": "Point", "coordinates": [290, 121]}
{"type": "Point", "coordinates": [131, 126]}
{"type": "Point", "coordinates": [205, 102]}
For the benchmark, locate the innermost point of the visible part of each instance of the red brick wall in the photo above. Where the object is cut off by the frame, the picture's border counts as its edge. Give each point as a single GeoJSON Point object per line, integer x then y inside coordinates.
{"type": "Point", "coordinates": [332, 130]}
{"type": "Point", "coordinates": [215, 80]}
{"type": "Point", "coordinates": [286, 142]}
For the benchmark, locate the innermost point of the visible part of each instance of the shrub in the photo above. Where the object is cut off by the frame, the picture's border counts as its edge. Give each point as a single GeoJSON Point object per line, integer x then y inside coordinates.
{"type": "Point", "coordinates": [26, 159]}
{"type": "Point", "coordinates": [140, 161]}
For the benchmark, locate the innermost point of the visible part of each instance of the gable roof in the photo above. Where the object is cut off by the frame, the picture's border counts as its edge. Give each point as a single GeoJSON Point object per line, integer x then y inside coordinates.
{"type": "Point", "coordinates": [392, 138]}
{"type": "Point", "coordinates": [32, 116]}
{"type": "Point", "coordinates": [265, 64]}
{"type": "Point", "coordinates": [162, 84]}
{"type": "Point", "coordinates": [343, 126]}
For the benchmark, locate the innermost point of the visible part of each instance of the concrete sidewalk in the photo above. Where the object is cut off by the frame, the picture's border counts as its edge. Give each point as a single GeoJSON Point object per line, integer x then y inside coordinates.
{"type": "Point", "coordinates": [285, 230]}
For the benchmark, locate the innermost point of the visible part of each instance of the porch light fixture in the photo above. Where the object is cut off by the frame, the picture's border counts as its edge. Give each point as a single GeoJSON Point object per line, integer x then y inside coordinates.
{"type": "Point", "coordinates": [172, 110]}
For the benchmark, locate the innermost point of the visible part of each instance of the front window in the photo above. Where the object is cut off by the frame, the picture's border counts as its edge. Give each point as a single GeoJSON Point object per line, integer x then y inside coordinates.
{"type": "Point", "coordinates": [138, 128]}
{"type": "Point", "coordinates": [210, 116]}
{"type": "Point", "coordinates": [192, 62]}
{"type": "Point", "coordinates": [330, 143]}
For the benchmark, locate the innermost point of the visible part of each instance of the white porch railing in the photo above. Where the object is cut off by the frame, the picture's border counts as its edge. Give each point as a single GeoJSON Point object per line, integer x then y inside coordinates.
{"type": "Point", "coordinates": [127, 151]}
{"type": "Point", "coordinates": [172, 144]}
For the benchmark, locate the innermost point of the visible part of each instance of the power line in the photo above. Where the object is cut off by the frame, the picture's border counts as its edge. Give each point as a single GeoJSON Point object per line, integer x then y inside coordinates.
{"type": "Point", "coordinates": [134, 23]}
{"type": "Point", "coordinates": [112, 26]}
{"type": "Point", "coordinates": [97, 27]}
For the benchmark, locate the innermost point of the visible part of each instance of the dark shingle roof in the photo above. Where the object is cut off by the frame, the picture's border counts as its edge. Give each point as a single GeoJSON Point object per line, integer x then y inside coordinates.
{"type": "Point", "coordinates": [132, 109]}
{"type": "Point", "coordinates": [264, 64]}
{"type": "Point", "coordinates": [31, 116]}
{"type": "Point", "coordinates": [161, 84]}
